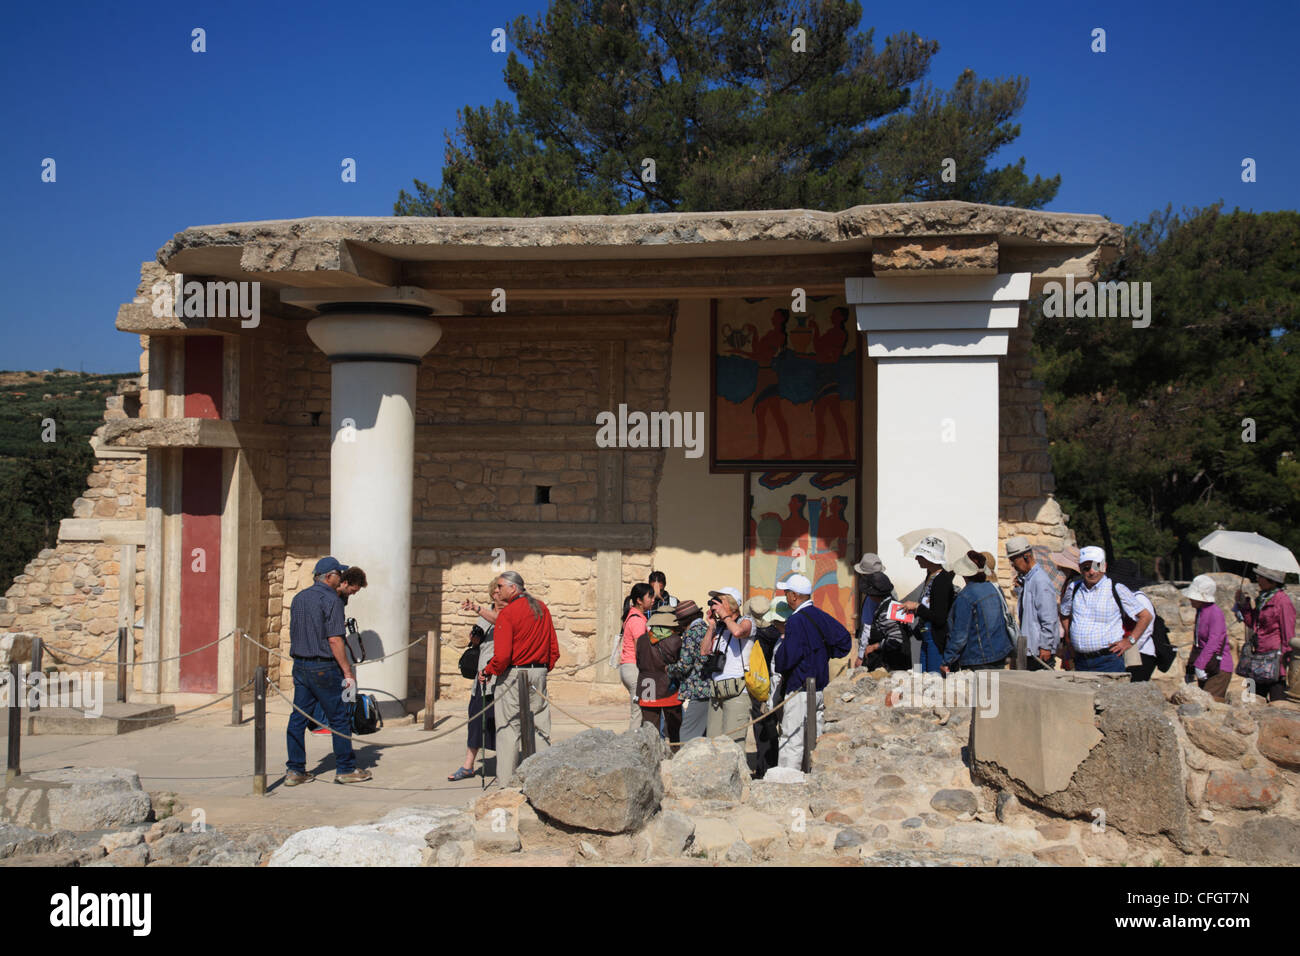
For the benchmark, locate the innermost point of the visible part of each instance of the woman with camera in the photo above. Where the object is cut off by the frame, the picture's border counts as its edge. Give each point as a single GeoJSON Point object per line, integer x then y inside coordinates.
{"type": "Point", "coordinates": [694, 689]}
{"type": "Point", "coordinates": [725, 650]}
{"type": "Point", "coordinates": [481, 731]}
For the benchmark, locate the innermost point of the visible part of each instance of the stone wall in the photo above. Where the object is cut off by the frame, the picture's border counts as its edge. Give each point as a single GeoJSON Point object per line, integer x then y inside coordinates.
{"type": "Point", "coordinates": [68, 595]}
{"type": "Point", "coordinates": [1027, 505]}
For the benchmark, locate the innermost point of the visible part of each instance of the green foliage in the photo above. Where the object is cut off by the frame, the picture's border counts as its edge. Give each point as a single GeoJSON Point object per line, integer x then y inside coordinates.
{"type": "Point", "coordinates": [1147, 425]}
{"type": "Point", "coordinates": [732, 115]}
{"type": "Point", "coordinates": [39, 480]}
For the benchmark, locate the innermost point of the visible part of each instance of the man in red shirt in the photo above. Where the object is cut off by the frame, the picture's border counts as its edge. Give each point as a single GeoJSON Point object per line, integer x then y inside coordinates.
{"type": "Point", "coordinates": [523, 641]}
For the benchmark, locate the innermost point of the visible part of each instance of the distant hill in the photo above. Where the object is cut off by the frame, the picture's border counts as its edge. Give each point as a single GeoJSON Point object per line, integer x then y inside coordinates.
{"type": "Point", "coordinates": [39, 480]}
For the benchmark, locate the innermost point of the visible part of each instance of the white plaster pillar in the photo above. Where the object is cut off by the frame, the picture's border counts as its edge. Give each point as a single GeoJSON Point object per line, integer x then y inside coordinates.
{"type": "Point", "coordinates": [936, 343]}
{"type": "Point", "coordinates": [375, 353]}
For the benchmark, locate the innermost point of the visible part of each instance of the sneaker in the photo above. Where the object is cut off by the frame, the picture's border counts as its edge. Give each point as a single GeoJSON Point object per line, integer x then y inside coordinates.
{"type": "Point", "coordinates": [356, 776]}
{"type": "Point", "coordinates": [321, 730]}
{"type": "Point", "coordinates": [294, 777]}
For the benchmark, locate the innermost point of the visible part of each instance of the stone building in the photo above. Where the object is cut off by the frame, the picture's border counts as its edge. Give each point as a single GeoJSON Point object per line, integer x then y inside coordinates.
{"type": "Point", "coordinates": [422, 396]}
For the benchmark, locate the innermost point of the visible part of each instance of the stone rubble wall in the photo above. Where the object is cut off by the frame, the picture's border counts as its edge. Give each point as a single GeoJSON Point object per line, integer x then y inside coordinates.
{"type": "Point", "coordinates": [1027, 505]}
{"type": "Point", "coordinates": [68, 595]}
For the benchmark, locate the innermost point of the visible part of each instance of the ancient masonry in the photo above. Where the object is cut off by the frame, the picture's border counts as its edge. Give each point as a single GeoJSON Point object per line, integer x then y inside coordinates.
{"type": "Point", "coordinates": [69, 595]}
{"type": "Point", "coordinates": [604, 310]}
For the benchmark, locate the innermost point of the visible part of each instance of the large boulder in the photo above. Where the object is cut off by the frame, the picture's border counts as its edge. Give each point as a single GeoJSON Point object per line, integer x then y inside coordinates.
{"type": "Point", "coordinates": [598, 780]}
{"type": "Point", "coordinates": [396, 840]}
{"type": "Point", "coordinates": [77, 798]}
{"type": "Point", "coordinates": [1133, 772]}
{"type": "Point", "coordinates": [1279, 738]}
{"type": "Point", "coordinates": [707, 768]}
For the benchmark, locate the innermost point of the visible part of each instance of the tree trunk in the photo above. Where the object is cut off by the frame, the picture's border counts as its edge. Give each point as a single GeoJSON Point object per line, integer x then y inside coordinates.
{"type": "Point", "coordinates": [1105, 529]}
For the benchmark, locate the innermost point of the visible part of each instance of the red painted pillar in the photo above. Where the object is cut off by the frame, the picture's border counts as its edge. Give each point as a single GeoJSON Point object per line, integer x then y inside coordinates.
{"type": "Point", "coordinates": [201, 505]}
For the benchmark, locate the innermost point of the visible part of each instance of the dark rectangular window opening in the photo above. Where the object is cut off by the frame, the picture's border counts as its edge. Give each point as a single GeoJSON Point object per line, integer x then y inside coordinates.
{"type": "Point", "coordinates": [542, 495]}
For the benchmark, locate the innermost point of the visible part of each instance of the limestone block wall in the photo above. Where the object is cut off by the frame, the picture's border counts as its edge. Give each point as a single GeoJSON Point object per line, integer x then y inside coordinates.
{"type": "Point", "coordinates": [1027, 505]}
{"type": "Point", "coordinates": [68, 595]}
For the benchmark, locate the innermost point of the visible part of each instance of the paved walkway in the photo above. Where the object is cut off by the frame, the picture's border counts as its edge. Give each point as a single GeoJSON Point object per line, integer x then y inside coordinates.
{"type": "Point", "coordinates": [209, 765]}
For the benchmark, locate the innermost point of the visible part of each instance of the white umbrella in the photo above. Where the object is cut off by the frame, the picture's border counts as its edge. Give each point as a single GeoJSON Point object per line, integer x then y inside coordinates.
{"type": "Point", "coordinates": [1251, 548]}
{"type": "Point", "coordinates": [955, 545]}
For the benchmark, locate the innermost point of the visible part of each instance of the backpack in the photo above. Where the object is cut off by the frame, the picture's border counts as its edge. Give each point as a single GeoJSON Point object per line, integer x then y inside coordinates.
{"type": "Point", "coordinates": [365, 715]}
{"type": "Point", "coordinates": [758, 681]}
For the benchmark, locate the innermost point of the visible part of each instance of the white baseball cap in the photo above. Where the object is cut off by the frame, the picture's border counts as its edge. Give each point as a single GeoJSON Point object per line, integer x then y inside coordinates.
{"type": "Point", "coordinates": [1094, 554]}
{"type": "Point", "coordinates": [796, 583]}
{"type": "Point", "coordinates": [735, 594]}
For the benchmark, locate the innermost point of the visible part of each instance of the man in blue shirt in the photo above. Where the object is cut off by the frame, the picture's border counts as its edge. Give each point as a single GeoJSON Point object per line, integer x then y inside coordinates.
{"type": "Point", "coordinates": [1035, 604]}
{"type": "Point", "coordinates": [321, 672]}
{"type": "Point", "coordinates": [811, 638]}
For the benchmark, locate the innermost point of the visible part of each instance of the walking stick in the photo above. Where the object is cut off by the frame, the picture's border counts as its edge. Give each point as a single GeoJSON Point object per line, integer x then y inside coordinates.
{"type": "Point", "coordinates": [483, 737]}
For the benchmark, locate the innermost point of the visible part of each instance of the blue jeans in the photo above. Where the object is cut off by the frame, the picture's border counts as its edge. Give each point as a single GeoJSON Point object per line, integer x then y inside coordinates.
{"type": "Point", "coordinates": [931, 659]}
{"type": "Point", "coordinates": [320, 681]}
{"type": "Point", "coordinates": [1106, 663]}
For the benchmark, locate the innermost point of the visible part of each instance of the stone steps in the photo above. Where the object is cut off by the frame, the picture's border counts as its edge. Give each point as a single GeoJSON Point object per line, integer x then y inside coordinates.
{"type": "Point", "coordinates": [67, 720]}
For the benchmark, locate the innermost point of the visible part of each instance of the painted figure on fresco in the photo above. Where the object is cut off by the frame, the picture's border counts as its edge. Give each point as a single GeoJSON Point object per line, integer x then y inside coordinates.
{"type": "Point", "coordinates": [830, 545]}
{"type": "Point", "coordinates": [829, 349]}
{"type": "Point", "coordinates": [767, 407]}
{"type": "Point", "coordinates": [788, 394]}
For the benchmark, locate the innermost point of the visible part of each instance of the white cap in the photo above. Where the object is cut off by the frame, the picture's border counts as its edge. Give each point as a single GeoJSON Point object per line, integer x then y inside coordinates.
{"type": "Point", "coordinates": [1202, 588]}
{"type": "Point", "coordinates": [1094, 554]}
{"type": "Point", "coordinates": [932, 549]}
{"type": "Point", "coordinates": [735, 594]}
{"type": "Point", "coordinates": [796, 583]}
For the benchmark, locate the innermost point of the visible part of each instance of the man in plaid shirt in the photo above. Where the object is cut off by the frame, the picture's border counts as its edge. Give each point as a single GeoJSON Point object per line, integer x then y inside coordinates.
{"type": "Point", "coordinates": [1094, 611]}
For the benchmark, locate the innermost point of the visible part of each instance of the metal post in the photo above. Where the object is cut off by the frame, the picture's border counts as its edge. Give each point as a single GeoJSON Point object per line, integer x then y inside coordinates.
{"type": "Point", "coordinates": [259, 731]}
{"type": "Point", "coordinates": [36, 675]}
{"type": "Point", "coordinates": [809, 722]}
{"type": "Point", "coordinates": [121, 664]}
{"type": "Point", "coordinates": [237, 698]}
{"type": "Point", "coordinates": [1022, 653]}
{"type": "Point", "coordinates": [13, 766]}
{"type": "Point", "coordinates": [527, 745]}
{"type": "Point", "coordinates": [432, 676]}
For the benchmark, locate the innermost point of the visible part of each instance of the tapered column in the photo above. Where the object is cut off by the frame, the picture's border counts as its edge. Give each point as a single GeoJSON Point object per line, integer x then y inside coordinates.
{"type": "Point", "coordinates": [375, 353]}
{"type": "Point", "coordinates": [936, 343]}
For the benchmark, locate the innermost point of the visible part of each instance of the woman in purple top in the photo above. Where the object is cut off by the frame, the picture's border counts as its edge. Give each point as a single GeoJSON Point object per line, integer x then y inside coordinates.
{"type": "Point", "coordinates": [1273, 620]}
{"type": "Point", "coordinates": [1210, 664]}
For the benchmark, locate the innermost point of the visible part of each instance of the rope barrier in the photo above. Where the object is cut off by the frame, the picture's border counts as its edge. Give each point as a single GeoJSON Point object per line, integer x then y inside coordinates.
{"type": "Point", "coordinates": [368, 660]}
{"type": "Point", "coordinates": [78, 658]}
{"type": "Point", "coordinates": [161, 660]}
{"type": "Point", "coordinates": [725, 733]}
{"type": "Point", "coordinates": [369, 737]}
{"type": "Point", "coordinates": [184, 713]}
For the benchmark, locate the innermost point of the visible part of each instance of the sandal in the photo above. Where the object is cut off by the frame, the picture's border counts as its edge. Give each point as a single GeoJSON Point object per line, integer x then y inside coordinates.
{"type": "Point", "coordinates": [461, 774]}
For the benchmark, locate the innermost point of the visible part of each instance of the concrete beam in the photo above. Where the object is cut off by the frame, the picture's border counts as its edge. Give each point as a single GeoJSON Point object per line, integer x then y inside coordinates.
{"type": "Point", "coordinates": [107, 530]}
{"type": "Point", "coordinates": [314, 535]}
{"type": "Point", "coordinates": [817, 274]}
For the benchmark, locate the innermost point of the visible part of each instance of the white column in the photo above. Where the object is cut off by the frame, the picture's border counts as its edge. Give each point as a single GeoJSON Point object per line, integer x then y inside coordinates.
{"type": "Point", "coordinates": [374, 358]}
{"type": "Point", "coordinates": [936, 342]}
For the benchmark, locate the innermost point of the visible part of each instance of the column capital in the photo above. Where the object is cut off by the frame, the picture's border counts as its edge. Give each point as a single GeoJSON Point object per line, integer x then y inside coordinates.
{"type": "Point", "coordinates": [937, 316]}
{"type": "Point", "coordinates": [374, 333]}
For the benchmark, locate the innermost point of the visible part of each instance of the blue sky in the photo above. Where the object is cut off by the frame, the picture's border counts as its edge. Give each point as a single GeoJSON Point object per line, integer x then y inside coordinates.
{"type": "Point", "coordinates": [150, 138]}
